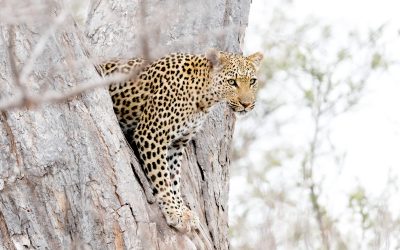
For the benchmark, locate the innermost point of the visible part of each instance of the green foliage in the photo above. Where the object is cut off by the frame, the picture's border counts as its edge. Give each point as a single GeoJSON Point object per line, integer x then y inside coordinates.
{"type": "Point", "coordinates": [358, 202]}
{"type": "Point", "coordinates": [377, 60]}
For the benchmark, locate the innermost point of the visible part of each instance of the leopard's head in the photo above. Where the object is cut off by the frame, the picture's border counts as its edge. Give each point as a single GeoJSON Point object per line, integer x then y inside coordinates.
{"type": "Point", "coordinates": [234, 78]}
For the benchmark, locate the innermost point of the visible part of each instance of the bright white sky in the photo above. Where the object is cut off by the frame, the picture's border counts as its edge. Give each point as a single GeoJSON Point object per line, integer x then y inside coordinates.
{"type": "Point", "coordinates": [370, 134]}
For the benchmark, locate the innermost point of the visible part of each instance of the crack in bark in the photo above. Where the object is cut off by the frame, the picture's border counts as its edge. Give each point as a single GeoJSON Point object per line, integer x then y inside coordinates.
{"type": "Point", "coordinates": [29, 238]}
{"type": "Point", "coordinates": [101, 136]}
{"type": "Point", "coordinates": [10, 136]}
{"type": "Point", "coordinates": [202, 191]}
{"type": "Point", "coordinates": [197, 161]}
{"type": "Point", "coordinates": [137, 176]}
{"type": "Point", "coordinates": [133, 214]}
{"type": "Point", "coordinates": [211, 234]}
{"type": "Point", "coordinates": [148, 192]}
{"type": "Point", "coordinates": [4, 233]}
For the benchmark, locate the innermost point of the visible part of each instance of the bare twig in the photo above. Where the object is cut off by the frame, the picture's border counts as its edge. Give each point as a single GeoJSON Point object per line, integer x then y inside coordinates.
{"type": "Point", "coordinates": [15, 74]}
{"type": "Point", "coordinates": [37, 51]}
{"type": "Point", "coordinates": [144, 40]}
{"type": "Point", "coordinates": [18, 12]}
{"type": "Point", "coordinates": [26, 99]}
{"type": "Point", "coordinates": [310, 175]}
{"type": "Point", "coordinates": [56, 97]}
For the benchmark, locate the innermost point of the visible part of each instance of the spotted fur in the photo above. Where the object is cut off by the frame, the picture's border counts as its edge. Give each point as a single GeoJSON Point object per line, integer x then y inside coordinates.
{"type": "Point", "coordinates": [161, 109]}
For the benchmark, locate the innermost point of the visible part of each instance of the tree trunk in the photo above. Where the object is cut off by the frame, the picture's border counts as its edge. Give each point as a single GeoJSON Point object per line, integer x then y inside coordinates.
{"type": "Point", "coordinates": [68, 179]}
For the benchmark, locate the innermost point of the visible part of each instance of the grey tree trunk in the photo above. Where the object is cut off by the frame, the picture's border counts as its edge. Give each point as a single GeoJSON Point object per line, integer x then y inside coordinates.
{"type": "Point", "coordinates": [68, 179]}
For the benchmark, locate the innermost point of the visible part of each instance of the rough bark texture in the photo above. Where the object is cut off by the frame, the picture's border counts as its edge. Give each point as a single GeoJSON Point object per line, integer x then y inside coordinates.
{"type": "Point", "coordinates": [68, 178]}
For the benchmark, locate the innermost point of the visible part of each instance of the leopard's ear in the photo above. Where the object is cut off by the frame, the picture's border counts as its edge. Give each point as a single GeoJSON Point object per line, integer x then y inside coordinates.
{"type": "Point", "coordinates": [217, 58]}
{"type": "Point", "coordinates": [256, 59]}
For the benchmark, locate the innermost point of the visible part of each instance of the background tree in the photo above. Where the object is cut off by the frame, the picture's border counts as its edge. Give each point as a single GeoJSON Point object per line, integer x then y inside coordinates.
{"type": "Point", "coordinates": [285, 161]}
{"type": "Point", "coordinates": [67, 176]}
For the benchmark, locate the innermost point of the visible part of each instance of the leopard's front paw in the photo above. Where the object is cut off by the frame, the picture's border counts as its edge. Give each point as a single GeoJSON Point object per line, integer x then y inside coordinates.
{"type": "Point", "coordinates": [183, 220]}
{"type": "Point", "coordinates": [191, 218]}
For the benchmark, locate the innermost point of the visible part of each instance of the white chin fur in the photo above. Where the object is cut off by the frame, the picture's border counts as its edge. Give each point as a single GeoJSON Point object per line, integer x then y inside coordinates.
{"type": "Point", "coordinates": [241, 113]}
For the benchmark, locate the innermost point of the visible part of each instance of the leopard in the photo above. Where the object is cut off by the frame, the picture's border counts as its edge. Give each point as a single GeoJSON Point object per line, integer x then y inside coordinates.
{"type": "Point", "coordinates": [162, 108]}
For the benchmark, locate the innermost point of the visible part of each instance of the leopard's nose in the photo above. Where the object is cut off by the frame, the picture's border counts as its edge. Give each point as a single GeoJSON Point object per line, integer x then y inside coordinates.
{"type": "Point", "coordinates": [245, 104]}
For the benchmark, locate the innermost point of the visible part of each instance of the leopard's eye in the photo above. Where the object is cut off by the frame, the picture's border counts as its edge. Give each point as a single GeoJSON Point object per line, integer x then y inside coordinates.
{"type": "Point", "coordinates": [232, 82]}
{"type": "Point", "coordinates": [253, 81]}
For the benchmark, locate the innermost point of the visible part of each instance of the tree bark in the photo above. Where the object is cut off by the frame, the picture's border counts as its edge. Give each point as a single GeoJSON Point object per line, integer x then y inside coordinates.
{"type": "Point", "coordinates": [68, 178]}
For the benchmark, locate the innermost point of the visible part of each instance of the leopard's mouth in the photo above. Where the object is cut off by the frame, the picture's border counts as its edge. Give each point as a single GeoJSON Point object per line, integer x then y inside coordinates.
{"type": "Point", "coordinates": [239, 109]}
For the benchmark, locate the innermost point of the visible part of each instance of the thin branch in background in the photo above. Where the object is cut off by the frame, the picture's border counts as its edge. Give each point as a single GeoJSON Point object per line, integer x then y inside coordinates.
{"type": "Point", "coordinates": [19, 12]}
{"type": "Point", "coordinates": [26, 99]}
{"type": "Point", "coordinates": [308, 175]}
{"type": "Point", "coordinates": [39, 47]}
{"type": "Point", "coordinates": [13, 65]}
{"type": "Point", "coordinates": [56, 96]}
{"type": "Point", "coordinates": [144, 40]}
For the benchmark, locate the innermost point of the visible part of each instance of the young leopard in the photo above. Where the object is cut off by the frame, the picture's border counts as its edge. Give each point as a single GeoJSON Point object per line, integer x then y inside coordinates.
{"type": "Point", "coordinates": [161, 109]}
